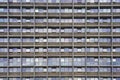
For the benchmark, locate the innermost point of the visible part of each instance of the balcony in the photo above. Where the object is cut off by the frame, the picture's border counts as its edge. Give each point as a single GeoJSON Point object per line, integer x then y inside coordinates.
{"type": "Point", "coordinates": [76, 74]}
{"type": "Point", "coordinates": [42, 54]}
{"type": "Point", "coordinates": [3, 14]}
{"type": "Point", "coordinates": [105, 74]}
{"type": "Point", "coordinates": [105, 44]}
{"type": "Point", "coordinates": [95, 54]}
{"type": "Point", "coordinates": [28, 54]}
{"type": "Point", "coordinates": [116, 44]}
{"type": "Point", "coordinates": [12, 14]}
{"type": "Point", "coordinates": [116, 3]}
{"type": "Point", "coordinates": [3, 24]}
{"type": "Point", "coordinates": [29, 24]}
{"type": "Point", "coordinates": [14, 74]}
{"type": "Point", "coordinates": [105, 53]}
{"type": "Point", "coordinates": [116, 74]}
{"type": "Point", "coordinates": [28, 4]}
{"type": "Point", "coordinates": [92, 43]}
{"type": "Point", "coordinates": [15, 33]}
{"type": "Point", "coordinates": [92, 14]}
{"type": "Point", "coordinates": [15, 54]}
{"type": "Point", "coordinates": [115, 14]}
{"type": "Point", "coordinates": [42, 15]}
{"type": "Point", "coordinates": [14, 4]}
{"type": "Point", "coordinates": [27, 14]}
{"type": "Point", "coordinates": [3, 74]}
{"type": "Point", "coordinates": [116, 33]}
{"type": "Point", "coordinates": [3, 54]}
{"type": "Point", "coordinates": [3, 34]}
{"type": "Point", "coordinates": [38, 44]}
{"type": "Point", "coordinates": [93, 33]}
{"type": "Point", "coordinates": [27, 44]}
{"type": "Point", "coordinates": [3, 3]}
{"type": "Point", "coordinates": [105, 33]}
{"type": "Point", "coordinates": [15, 23]}
{"type": "Point", "coordinates": [28, 33]}
{"type": "Point", "coordinates": [116, 23]}
{"type": "Point", "coordinates": [14, 44]}
{"type": "Point", "coordinates": [3, 44]}
{"type": "Point", "coordinates": [116, 54]}
{"type": "Point", "coordinates": [37, 4]}
{"type": "Point", "coordinates": [53, 34]}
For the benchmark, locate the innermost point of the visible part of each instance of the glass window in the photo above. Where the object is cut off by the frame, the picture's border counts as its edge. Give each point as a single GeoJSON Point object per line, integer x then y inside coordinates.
{"type": "Point", "coordinates": [53, 61]}
{"type": "Point", "coordinates": [14, 62]}
{"type": "Point", "coordinates": [104, 1]}
{"type": "Point", "coordinates": [53, 1]}
{"type": "Point", "coordinates": [3, 50]}
{"type": "Point", "coordinates": [14, 0]}
{"type": "Point", "coordinates": [3, 61]}
{"type": "Point", "coordinates": [105, 69]}
{"type": "Point", "coordinates": [3, 29]}
{"type": "Point", "coordinates": [3, 10]}
{"type": "Point", "coordinates": [3, 40]}
{"type": "Point", "coordinates": [15, 40]}
{"type": "Point", "coordinates": [3, 20]}
{"type": "Point", "coordinates": [3, 0]}
{"type": "Point", "coordinates": [66, 61]}
{"type": "Point", "coordinates": [14, 69]}
{"type": "Point", "coordinates": [28, 39]}
{"type": "Point", "coordinates": [28, 61]}
{"type": "Point", "coordinates": [27, 0]}
{"type": "Point", "coordinates": [79, 69]}
{"type": "Point", "coordinates": [27, 69]}
{"type": "Point", "coordinates": [15, 30]}
{"type": "Point", "coordinates": [105, 49]}
{"type": "Point", "coordinates": [41, 1]}
{"type": "Point", "coordinates": [14, 10]}
{"type": "Point", "coordinates": [92, 61]}
{"type": "Point", "coordinates": [92, 49]}
{"type": "Point", "coordinates": [79, 61]}
{"type": "Point", "coordinates": [14, 50]}
{"type": "Point", "coordinates": [105, 61]}
{"type": "Point", "coordinates": [14, 78]}
{"type": "Point", "coordinates": [79, 1]}
{"type": "Point", "coordinates": [3, 70]}
{"type": "Point", "coordinates": [66, 1]}
{"type": "Point", "coordinates": [92, 69]}
{"type": "Point", "coordinates": [105, 10]}
{"type": "Point", "coordinates": [66, 69]}
{"type": "Point", "coordinates": [91, 1]}
{"type": "Point", "coordinates": [116, 69]}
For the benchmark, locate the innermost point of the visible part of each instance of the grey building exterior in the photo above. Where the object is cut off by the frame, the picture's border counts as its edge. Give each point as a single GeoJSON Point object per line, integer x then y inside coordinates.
{"type": "Point", "coordinates": [59, 39]}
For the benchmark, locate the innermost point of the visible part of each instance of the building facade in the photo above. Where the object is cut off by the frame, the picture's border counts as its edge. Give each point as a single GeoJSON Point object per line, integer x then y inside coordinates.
{"type": "Point", "coordinates": [59, 39]}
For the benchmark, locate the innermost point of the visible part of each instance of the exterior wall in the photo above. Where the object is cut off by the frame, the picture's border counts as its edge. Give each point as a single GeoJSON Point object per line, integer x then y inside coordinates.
{"type": "Point", "coordinates": [74, 40]}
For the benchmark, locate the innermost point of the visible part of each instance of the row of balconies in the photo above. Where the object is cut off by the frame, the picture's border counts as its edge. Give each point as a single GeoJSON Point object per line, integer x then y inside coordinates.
{"type": "Point", "coordinates": [58, 4]}
{"type": "Point", "coordinates": [65, 66]}
{"type": "Point", "coordinates": [76, 74]}
{"type": "Point", "coordinates": [58, 24]}
{"type": "Point", "coordinates": [60, 54]}
{"type": "Point", "coordinates": [60, 14]}
{"type": "Point", "coordinates": [63, 44]}
{"type": "Point", "coordinates": [104, 34]}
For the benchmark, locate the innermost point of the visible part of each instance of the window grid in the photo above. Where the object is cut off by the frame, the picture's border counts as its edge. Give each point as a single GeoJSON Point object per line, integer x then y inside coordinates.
{"type": "Point", "coordinates": [66, 50]}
